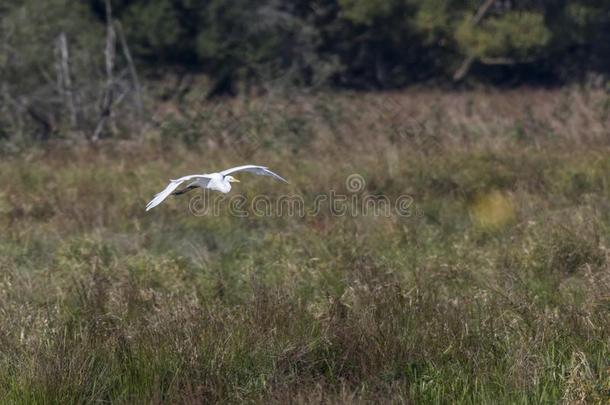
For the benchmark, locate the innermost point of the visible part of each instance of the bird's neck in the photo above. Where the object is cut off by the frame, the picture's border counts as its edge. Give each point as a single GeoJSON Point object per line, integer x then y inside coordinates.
{"type": "Point", "coordinates": [226, 185]}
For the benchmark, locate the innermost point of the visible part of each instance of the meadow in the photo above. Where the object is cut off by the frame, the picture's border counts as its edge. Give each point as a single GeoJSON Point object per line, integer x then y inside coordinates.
{"type": "Point", "coordinates": [493, 287]}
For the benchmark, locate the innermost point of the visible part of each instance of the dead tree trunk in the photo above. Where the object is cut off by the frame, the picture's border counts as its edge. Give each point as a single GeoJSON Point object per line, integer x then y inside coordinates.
{"type": "Point", "coordinates": [65, 80]}
{"type": "Point", "coordinates": [106, 116]}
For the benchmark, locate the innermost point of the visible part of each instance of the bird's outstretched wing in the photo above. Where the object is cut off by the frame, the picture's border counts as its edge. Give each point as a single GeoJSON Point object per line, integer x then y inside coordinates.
{"type": "Point", "coordinates": [259, 170]}
{"type": "Point", "coordinates": [173, 185]}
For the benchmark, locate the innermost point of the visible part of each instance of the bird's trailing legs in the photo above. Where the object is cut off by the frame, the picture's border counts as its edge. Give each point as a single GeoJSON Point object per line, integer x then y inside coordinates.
{"type": "Point", "coordinates": [184, 190]}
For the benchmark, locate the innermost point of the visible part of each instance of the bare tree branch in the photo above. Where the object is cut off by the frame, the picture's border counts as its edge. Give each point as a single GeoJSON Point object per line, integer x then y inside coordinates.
{"type": "Point", "coordinates": [505, 61]}
{"type": "Point", "coordinates": [463, 69]}
{"type": "Point", "coordinates": [476, 19]}
{"type": "Point", "coordinates": [132, 68]}
{"type": "Point", "coordinates": [482, 11]}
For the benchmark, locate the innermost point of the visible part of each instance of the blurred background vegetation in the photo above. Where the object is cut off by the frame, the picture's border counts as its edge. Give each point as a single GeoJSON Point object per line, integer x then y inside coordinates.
{"type": "Point", "coordinates": [70, 64]}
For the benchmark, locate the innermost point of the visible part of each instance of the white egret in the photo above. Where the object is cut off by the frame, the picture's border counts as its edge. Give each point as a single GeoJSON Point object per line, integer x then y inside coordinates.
{"type": "Point", "coordinates": [220, 181]}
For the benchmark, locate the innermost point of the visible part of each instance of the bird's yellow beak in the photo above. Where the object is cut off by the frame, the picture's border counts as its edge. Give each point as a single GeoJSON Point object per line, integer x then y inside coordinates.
{"type": "Point", "coordinates": [235, 180]}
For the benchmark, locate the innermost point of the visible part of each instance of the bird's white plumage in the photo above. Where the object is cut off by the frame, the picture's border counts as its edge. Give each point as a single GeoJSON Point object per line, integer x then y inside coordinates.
{"type": "Point", "coordinates": [220, 181]}
{"type": "Point", "coordinates": [172, 186]}
{"type": "Point", "coordinates": [258, 170]}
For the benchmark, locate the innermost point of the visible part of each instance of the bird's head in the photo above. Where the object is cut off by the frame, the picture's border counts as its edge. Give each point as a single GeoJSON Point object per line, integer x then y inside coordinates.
{"type": "Point", "coordinates": [231, 179]}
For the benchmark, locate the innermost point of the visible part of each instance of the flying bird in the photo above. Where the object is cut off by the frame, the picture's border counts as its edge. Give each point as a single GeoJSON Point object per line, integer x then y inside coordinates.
{"type": "Point", "coordinates": [220, 181]}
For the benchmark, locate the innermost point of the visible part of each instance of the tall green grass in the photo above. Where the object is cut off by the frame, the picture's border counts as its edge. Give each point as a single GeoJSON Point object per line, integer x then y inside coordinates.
{"type": "Point", "coordinates": [495, 290]}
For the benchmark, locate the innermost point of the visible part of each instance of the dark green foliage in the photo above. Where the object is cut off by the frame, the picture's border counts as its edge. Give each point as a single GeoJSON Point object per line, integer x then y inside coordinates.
{"type": "Point", "coordinates": [368, 43]}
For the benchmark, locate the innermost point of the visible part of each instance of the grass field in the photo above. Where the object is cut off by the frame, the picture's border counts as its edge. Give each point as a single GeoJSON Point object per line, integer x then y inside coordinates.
{"type": "Point", "coordinates": [493, 286]}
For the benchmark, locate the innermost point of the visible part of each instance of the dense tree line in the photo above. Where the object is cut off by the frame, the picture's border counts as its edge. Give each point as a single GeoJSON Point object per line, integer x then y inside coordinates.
{"type": "Point", "coordinates": [77, 58]}
{"type": "Point", "coordinates": [372, 43]}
